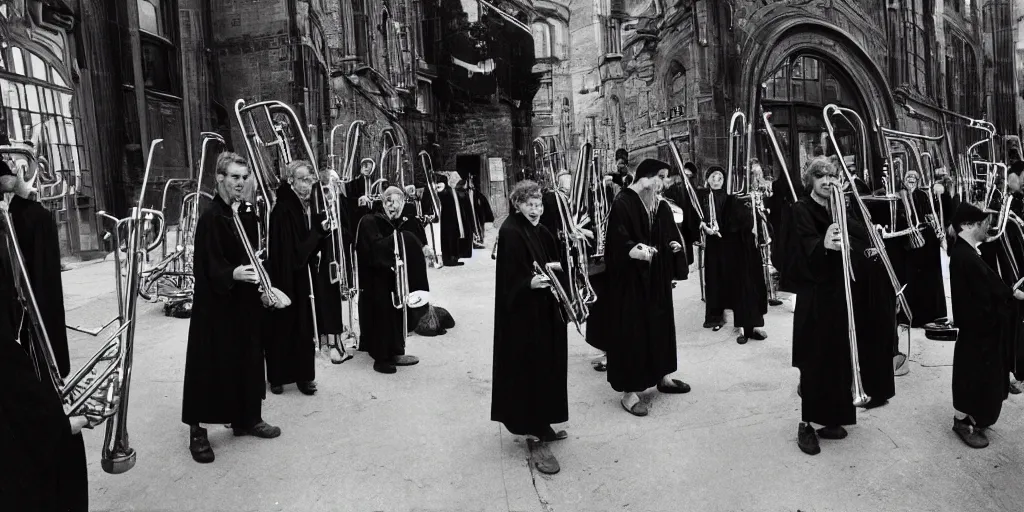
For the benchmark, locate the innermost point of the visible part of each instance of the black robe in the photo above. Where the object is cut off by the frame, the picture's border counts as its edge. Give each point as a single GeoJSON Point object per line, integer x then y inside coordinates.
{"type": "Point", "coordinates": [717, 294]}
{"type": "Point", "coordinates": [357, 188]}
{"type": "Point", "coordinates": [468, 223]}
{"type": "Point", "coordinates": [40, 246]}
{"type": "Point", "coordinates": [925, 292]}
{"type": "Point", "coordinates": [481, 210]}
{"type": "Point", "coordinates": [224, 375]}
{"type": "Point", "coordinates": [784, 244]}
{"type": "Point", "coordinates": [529, 386]}
{"type": "Point", "coordinates": [551, 219]}
{"type": "Point", "coordinates": [288, 332]}
{"type": "Point", "coordinates": [874, 303]}
{"type": "Point", "coordinates": [453, 230]}
{"type": "Point", "coordinates": [641, 326]}
{"type": "Point", "coordinates": [984, 311]}
{"type": "Point", "coordinates": [328, 295]}
{"type": "Point", "coordinates": [43, 463]}
{"type": "Point", "coordinates": [745, 275]}
{"type": "Point", "coordinates": [380, 323]}
{"type": "Point", "coordinates": [690, 227]}
{"type": "Point", "coordinates": [821, 348]}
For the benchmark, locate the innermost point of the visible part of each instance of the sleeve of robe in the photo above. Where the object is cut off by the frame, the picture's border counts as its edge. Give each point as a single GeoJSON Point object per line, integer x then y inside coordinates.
{"type": "Point", "coordinates": [619, 241]}
{"type": "Point", "coordinates": [379, 249]}
{"type": "Point", "coordinates": [516, 268]}
{"type": "Point", "coordinates": [211, 242]}
{"type": "Point", "coordinates": [811, 244]}
{"type": "Point", "coordinates": [678, 266]}
{"type": "Point", "coordinates": [40, 244]}
{"type": "Point", "coordinates": [288, 247]}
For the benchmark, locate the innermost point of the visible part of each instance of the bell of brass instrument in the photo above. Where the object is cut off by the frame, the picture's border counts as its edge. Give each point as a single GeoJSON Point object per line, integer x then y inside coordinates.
{"type": "Point", "coordinates": [740, 144]}
{"type": "Point", "coordinates": [838, 206]}
{"type": "Point", "coordinates": [271, 297]}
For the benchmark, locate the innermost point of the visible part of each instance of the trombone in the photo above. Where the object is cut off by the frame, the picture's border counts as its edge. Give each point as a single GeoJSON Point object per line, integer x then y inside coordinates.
{"type": "Point", "coordinates": [435, 200]}
{"type": "Point", "coordinates": [838, 205]}
{"type": "Point", "coordinates": [695, 203]}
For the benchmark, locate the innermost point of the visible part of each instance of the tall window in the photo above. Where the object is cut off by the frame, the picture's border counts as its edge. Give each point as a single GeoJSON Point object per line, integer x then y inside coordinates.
{"type": "Point", "coordinates": [361, 29]}
{"type": "Point", "coordinates": [541, 40]}
{"type": "Point", "coordinates": [677, 90]}
{"type": "Point", "coordinates": [544, 100]}
{"type": "Point", "coordinates": [159, 55]}
{"type": "Point", "coordinates": [910, 44]}
{"type": "Point", "coordinates": [612, 36]}
{"type": "Point", "coordinates": [961, 76]}
{"type": "Point", "coordinates": [151, 18]}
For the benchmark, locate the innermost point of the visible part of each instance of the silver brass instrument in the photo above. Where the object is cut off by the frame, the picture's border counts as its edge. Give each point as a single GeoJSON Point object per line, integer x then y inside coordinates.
{"type": "Point", "coordinates": [32, 159]}
{"type": "Point", "coordinates": [564, 302]}
{"type": "Point", "coordinates": [271, 297]}
{"type": "Point", "coordinates": [581, 292]}
{"type": "Point", "coordinates": [740, 147]}
{"type": "Point", "coordinates": [838, 205]}
{"type": "Point", "coordinates": [695, 203]}
{"type": "Point", "coordinates": [428, 173]}
{"type": "Point", "coordinates": [352, 139]}
{"type": "Point", "coordinates": [400, 296]}
{"type": "Point", "coordinates": [911, 141]}
{"type": "Point", "coordinates": [589, 202]}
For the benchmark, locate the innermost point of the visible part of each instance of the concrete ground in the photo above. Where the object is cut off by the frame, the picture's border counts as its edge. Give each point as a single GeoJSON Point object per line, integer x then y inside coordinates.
{"type": "Point", "coordinates": [421, 440]}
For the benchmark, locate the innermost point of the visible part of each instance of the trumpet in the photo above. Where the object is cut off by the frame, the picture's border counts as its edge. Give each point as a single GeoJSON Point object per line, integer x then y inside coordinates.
{"type": "Point", "coordinates": [838, 205]}
{"type": "Point", "coordinates": [272, 297]}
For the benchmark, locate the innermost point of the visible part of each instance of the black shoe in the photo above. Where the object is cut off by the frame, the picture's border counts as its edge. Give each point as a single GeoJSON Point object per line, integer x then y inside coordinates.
{"type": "Point", "coordinates": [757, 334]}
{"type": "Point", "coordinates": [875, 403]}
{"type": "Point", "coordinates": [384, 367]}
{"type": "Point", "coordinates": [774, 302]}
{"type": "Point", "coordinates": [199, 445]}
{"type": "Point", "coordinates": [836, 432]}
{"type": "Point", "coordinates": [741, 339]}
{"type": "Point", "coordinates": [261, 430]}
{"type": "Point", "coordinates": [307, 388]}
{"type": "Point", "coordinates": [970, 435]}
{"type": "Point", "coordinates": [807, 440]}
{"type": "Point", "coordinates": [277, 390]}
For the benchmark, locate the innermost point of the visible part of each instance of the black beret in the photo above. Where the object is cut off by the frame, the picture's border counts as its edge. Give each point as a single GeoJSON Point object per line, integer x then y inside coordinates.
{"type": "Point", "coordinates": [967, 213]}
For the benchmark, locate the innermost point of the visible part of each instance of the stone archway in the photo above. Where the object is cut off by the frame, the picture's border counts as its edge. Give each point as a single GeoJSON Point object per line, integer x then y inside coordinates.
{"type": "Point", "coordinates": [789, 37]}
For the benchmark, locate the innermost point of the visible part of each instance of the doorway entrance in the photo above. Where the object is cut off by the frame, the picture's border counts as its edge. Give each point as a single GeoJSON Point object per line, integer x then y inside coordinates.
{"type": "Point", "coordinates": [795, 93]}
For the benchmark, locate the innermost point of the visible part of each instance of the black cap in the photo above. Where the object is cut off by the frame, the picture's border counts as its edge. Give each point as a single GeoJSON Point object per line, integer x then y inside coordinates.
{"type": "Point", "coordinates": [967, 213]}
{"type": "Point", "coordinates": [713, 169]}
{"type": "Point", "coordinates": [621, 154]}
{"type": "Point", "coordinates": [650, 167]}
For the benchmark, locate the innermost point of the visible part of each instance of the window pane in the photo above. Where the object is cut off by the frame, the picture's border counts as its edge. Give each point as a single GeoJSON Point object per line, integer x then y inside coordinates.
{"type": "Point", "coordinates": [18, 61]}
{"type": "Point", "coordinates": [57, 79]}
{"type": "Point", "coordinates": [149, 17]}
{"type": "Point", "coordinates": [38, 67]}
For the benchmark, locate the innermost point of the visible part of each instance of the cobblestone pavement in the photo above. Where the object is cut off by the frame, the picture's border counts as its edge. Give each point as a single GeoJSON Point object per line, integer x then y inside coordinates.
{"type": "Point", "coordinates": [420, 440]}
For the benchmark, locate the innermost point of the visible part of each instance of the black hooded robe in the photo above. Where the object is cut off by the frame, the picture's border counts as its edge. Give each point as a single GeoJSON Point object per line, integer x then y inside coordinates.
{"type": "Point", "coordinates": [640, 326]}
{"type": "Point", "coordinates": [224, 374]}
{"type": "Point", "coordinates": [40, 246]}
{"type": "Point", "coordinates": [465, 245]}
{"type": "Point", "coordinates": [482, 210]}
{"type": "Point", "coordinates": [717, 293]}
{"type": "Point", "coordinates": [821, 348]}
{"type": "Point", "coordinates": [984, 311]}
{"type": "Point", "coordinates": [529, 390]}
{"type": "Point", "coordinates": [925, 292]}
{"type": "Point", "coordinates": [750, 292]}
{"type": "Point", "coordinates": [288, 332]}
{"type": "Point", "coordinates": [44, 463]}
{"type": "Point", "coordinates": [453, 230]}
{"type": "Point", "coordinates": [380, 323]}
{"type": "Point", "coordinates": [329, 303]}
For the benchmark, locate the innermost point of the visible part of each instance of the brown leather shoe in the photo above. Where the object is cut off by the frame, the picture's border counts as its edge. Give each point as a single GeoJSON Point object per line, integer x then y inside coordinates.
{"type": "Point", "coordinates": [261, 430]}
{"type": "Point", "coordinates": [970, 435]}
{"type": "Point", "coordinates": [543, 459]}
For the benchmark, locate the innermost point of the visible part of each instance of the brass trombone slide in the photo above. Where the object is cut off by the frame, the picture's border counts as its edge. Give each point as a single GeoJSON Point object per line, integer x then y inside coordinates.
{"type": "Point", "coordinates": [838, 206]}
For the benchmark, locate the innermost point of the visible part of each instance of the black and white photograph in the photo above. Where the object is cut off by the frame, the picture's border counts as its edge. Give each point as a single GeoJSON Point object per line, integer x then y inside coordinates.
{"type": "Point", "coordinates": [511, 255]}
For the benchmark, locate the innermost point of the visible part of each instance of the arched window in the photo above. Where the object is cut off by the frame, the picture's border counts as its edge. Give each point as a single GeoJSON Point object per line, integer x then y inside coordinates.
{"type": "Point", "coordinates": [150, 17]}
{"type": "Point", "coordinates": [677, 90]}
{"type": "Point", "coordinates": [541, 40]}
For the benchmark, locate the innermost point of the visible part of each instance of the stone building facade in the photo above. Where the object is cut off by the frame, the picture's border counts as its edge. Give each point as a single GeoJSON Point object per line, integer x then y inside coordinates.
{"type": "Point", "coordinates": [644, 71]}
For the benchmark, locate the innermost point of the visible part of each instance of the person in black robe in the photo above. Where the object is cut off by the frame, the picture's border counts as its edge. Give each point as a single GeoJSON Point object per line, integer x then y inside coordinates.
{"type": "Point", "coordinates": [359, 192]}
{"type": "Point", "coordinates": [717, 294]}
{"type": "Point", "coordinates": [224, 375]}
{"type": "Point", "coordinates": [675, 192]}
{"type": "Point", "coordinates": [641, 330]}
{"type": "Point", "coordinates": [821, 347]}
{"type": "Point", "coordinates": [746, 268]}
{"type": "Point", "coordinates": [329, 301]}
{"type": "Point", "coordinates": [985, 315]}
{"type": "Point", "coordinates": [296, 235]}
{"type": "Point", "coordinates": [380, 323]}
{"type": "Point", "coordinates": [1015, 240]}
{"type": "Point", "coordinates": [529, 391]}
{"type": "Point", "coordinates": [453, 230]}
{"type": "Point", "coordinates": [925, 292]}
{"type": "Point", "coordinates": [482, 213]}
{"type": "Point", "coordinates": [39, 243]}
{"type": "Point", "coordinates": [465, 211]}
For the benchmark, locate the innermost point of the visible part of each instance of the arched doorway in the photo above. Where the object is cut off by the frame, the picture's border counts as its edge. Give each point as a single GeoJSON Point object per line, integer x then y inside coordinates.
{"type": "Point", "coordinates": [795, 93]}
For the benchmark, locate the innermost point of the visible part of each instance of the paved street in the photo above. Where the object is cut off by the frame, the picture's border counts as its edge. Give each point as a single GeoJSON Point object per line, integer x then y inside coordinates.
{"type": "Point", "coordinates": [421, 440]}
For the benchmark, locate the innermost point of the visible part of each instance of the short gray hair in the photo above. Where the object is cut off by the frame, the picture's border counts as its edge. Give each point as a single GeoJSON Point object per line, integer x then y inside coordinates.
{"type": "Point", "coordinates": [292, 167]}
{"type": "Point", "coordinates": [225, 159]}
{"type": "Point", "coordinates": [818, 165]}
